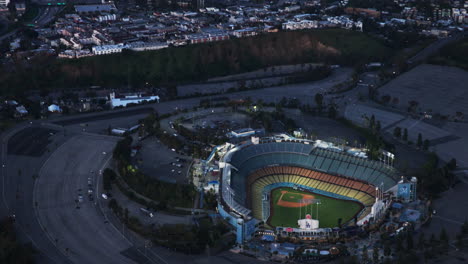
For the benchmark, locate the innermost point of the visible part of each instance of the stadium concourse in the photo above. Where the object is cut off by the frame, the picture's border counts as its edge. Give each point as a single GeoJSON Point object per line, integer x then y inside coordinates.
{"type": "Point", "coordinates": [253, 170]}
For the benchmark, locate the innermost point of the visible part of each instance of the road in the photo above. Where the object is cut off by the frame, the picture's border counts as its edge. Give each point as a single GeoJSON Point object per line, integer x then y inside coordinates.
{"type": "Point", "coordinates": [81, 234]}
{"type": "Point", "coordinates": [17, 187]}
{"type": "Point", "coordinates": [46, 15]}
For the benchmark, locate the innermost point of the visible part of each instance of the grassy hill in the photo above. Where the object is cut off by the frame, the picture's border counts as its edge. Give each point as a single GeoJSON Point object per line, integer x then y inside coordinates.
{"type": "Point", "coordinates": [196, 62]}
{"type": "Point", "coordinates": [455, 54]}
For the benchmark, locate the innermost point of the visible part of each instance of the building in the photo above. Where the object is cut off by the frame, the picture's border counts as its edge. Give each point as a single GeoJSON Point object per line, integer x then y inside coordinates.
{"type": "Point", "coordinates": [108, 49]}
{"type": "Point", "coordinates": [109, 17]}
{"type": "Point", "coordinates": [406, 189]}
{"type": "Point", "coordinates": [206, 37]}
{"type": "Point", "coordinates": [243, 132]}
{"type": "Point", "coordinates": [94, 8]}
{"type": "Point", "coordinates": [21, 111]}
{"type": "Point", "coordinates": [54, 108]}
{"type": "Point", "coordinates": [124, 100]}
{"type": "Point", "coordinates": [20, 8]}
{"type": "Point", "coordinates": [200, 4]}
{"type": "Point", "coordinates": [142, 46]}
{"type": "Point", "coordinates": [4, 2]}
{"type": "Point", "coordinates": [245, 32]}
{"type": "Point", "coordinates": [303, 24]}
{"type": "Point", "coordinates": [252, 170]}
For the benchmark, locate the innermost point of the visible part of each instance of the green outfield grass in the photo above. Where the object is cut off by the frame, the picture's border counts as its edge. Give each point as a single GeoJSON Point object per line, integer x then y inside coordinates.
{"type": "Point", "coordinates": [329, 210]}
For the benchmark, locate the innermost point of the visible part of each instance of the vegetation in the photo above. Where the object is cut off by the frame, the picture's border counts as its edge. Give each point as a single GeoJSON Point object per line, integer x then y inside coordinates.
{"type": "Point", "coordinates": [195, 62]}
{"type": "Point", "coordinates": [108, 176]}
{"type": "Point", "coordinates": [192, 239]}
{"type": "Point", "coordinates": [374, 142]}
{"type": "Point", "coordinates": [435, 180]}
{"type": "Point", "coordinates": [455, 54]}
{"type": "Point", "coordinates": [11, 251]}
{"type": "Point", "coordinates": [169, 194]}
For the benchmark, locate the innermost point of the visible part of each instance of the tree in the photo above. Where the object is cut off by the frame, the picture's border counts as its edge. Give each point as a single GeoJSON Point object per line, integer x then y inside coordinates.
{"type": "Point", "coordinates": [387, 249]}
{"type": "Point", "coordinates": [378, 126]}
{"type": "Point", "coordinates": [409, 241]}
{"type": "Point", "coordinates": [426, 144]}
{"type": "Point", "coordinates": [452, 164]}
{"type": "Point", "coordinates": [405, 134]}
{"type": "Point", "coordinates": [421, 241]}
{"type": "Point", "coordinates": [464, 228]}
{"type": "Point", "coordinates": [332, 112]}
{"type": "Point", "coordinates": [420, 141]}
{"type": "Point", "coordinates": [375, 255]}
{"type": "Point", "coordinates": [126, 215]}
{"type": "Point", "coordinates": [397, 132]}
{"type": "Point", "coordinates": [433, 240]}
{"type": "Point", "coordinates": [11, 251]}
{"type": "Point", "coordinates": [372, 122]}
{"type": "Point", "coordinates": [444, 237]}
{"type": "Point", "coordinates": [319, 100]}
{"type": "Point", "coordinates": [460, 243]}
{"type": "Point", "coordinates": [365, 255]}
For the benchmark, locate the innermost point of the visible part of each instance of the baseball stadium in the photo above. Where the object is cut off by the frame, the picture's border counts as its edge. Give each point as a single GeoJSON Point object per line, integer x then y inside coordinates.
{"type": "Point", "coordinates": [280, 181]}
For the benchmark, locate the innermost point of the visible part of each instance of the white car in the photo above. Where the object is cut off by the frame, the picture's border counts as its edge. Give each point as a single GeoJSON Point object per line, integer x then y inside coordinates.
{"type": "Point", "coordinates": [104, 196]}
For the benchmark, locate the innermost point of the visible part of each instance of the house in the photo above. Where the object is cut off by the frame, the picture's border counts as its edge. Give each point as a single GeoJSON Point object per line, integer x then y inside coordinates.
{"type": "Point", "coordinates": [21, 111]}
{"type": "Point", "coordinates": [54, 108]}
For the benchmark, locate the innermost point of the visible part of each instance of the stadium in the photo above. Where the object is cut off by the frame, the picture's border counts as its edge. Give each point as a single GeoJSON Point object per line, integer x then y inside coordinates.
{"type": "Point", "coordinates": [283, 181]}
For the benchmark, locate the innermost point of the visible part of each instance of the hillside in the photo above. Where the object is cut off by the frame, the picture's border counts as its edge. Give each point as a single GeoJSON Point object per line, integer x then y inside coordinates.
{"type": "Point", "coordinates": [197, 62]}
{"type": "Point", "coordinates": [455, 54]}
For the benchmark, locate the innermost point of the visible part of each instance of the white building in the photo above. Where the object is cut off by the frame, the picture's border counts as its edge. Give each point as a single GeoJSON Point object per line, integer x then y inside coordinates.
{"type": "Point", "coordinates": [109, 17]}
{"type": "Point", "coordinates": [142, 46]}
{"type": "Point", "coordinates": [243, 132]}
{"type": "Point", "coordinates": [4, 2]}
{"type": "Point", "coordinates": [130, 99]}
{"type": "Point", "coordinates": [303, 24]}
{"type": "Point", "coordinates": [54, 108]}
{"type": "Point", "coordinates": [108, 49]}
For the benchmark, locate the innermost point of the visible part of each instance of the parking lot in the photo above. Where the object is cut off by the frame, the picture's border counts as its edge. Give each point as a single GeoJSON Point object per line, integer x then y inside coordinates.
{"type": "Point", "coordinates": [158, 161]}
{"type": "Point", "coordinates": [218, 119]}
{"type": "Point", "coordinates": [440, 89]}
{"type": "Point", "coordinates": [323, 128]}
{"type": "Point", "coordinates": [28, 143]}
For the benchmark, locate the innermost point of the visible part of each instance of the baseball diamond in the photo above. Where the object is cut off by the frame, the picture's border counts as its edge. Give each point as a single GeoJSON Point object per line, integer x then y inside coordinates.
{"type": "Point", "coordinates": [288, 206]}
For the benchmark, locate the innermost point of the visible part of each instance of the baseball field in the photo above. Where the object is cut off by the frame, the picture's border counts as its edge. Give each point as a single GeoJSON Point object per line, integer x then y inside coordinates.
{"type": "Point", "coordinates": [289, 205]}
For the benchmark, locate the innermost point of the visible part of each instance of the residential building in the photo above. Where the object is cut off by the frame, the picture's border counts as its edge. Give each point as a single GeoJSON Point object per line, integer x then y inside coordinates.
{"type": "Point", "coordinates": [108, 49]}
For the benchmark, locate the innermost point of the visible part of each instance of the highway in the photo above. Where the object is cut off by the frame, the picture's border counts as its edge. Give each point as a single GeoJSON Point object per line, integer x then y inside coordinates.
{"type": "Point", "coordinates": [46, 15]}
